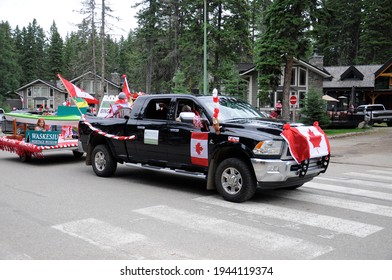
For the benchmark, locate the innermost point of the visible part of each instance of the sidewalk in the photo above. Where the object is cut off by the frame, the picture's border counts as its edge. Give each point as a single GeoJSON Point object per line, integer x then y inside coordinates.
{"type": "Point", "coordinates": [372, 148]}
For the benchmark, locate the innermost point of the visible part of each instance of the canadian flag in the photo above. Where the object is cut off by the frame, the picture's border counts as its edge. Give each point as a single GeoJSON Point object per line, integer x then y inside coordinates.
{"type": "Point", "coordinates": [125, 88]}
{"type": "Point", "coordinates": [306, 141]}
{"type": "Point", "coordinates": [74, 91]}
{"type": "Point", "coordinates": [199, 148]}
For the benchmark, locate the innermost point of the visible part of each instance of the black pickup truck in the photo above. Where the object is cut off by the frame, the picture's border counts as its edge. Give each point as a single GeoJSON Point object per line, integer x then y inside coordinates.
{"type": "Point", "coordinates": [239, 153]}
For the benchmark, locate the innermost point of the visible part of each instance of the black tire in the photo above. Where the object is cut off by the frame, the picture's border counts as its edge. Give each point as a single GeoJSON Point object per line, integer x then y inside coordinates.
{"type": "Point", "coordinates": [235, 180]}
{"type": "Point", "coordinates": [103, 162]}
{"type": "Point", "coordinates": [25, 158]}
{"type": "Point", "coordinates": [77, 154]}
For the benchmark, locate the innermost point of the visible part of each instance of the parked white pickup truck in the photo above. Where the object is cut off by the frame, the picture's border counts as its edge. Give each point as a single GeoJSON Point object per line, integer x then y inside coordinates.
{"type": "Point", "coordinates": [375, 113]}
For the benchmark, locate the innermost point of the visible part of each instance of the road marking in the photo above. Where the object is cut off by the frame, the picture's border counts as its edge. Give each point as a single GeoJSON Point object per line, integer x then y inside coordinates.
{"type": "Point", "coordinates": [381, 172]}
{"type": "Point", "coordinates": [99, 233]}
{"type": "Point", "coordinates": [281, 245]}
{"type": "Point", "coordinates": [356, 182]}
{"type": "Point", "coordinates": [351, 191]}
{"type": "Point", "coordinates": [297, 216]}
{"type": "Point", "coordinates": [336, 202]}
{"type": "Point", "coordinates": [369, 176]}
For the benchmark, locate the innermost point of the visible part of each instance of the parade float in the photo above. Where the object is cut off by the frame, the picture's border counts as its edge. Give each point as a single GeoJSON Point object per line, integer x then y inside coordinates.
{"type": "Point", "coordinates": [27, 142]}
{"type": "Point", "coordinates": [59, 135]}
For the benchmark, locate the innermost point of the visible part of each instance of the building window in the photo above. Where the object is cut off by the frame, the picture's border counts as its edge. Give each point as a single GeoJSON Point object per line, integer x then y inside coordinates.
{"type": "Point", "coordinates": [40, 91]}
{"type": "Point", "coordinates": [293, 77]}
{"type": "Point", "coordinates": [301, 99]}
{"type": "Point", "coordinates": [51, 92]}
{"type": "Point", "coordinates": [87, 86]}
{"type": "Point", "coordinates": [302, 77]}
{"type": "Point", "coordinates": [29, 92]}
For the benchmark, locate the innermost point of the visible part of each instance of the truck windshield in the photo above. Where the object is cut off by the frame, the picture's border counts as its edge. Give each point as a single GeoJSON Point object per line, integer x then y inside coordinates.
{"type": "Point", "coordinates": [232, 108]}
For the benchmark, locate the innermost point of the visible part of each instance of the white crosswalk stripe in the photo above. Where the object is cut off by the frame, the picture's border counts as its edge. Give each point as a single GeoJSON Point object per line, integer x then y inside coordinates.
{"type": "Point", "coordinates": [369, 176]}
{"type": "Point", "coordinates": [355, 182]}
{"type": "Point", "coordinates": [268, 241]}
{"type": "Point", "coordinates": [358, 206]}
{"type": "Point", "coordinates": [351, 191]}
{"type": "Point", "coordinates": [300, 217]}
{"type": "Point", "coordinates": [119, 241]}
{"type": "Point", "coordinates": [99, 233]}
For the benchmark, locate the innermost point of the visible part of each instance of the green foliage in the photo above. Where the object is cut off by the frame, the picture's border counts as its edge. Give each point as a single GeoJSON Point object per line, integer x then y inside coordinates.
{"type": "Point", "coordinates": [285, 36]}
{"type": "Point", "coordinates": [314, 109]}
{"type": "Point", "coordinates": [179, 82]}
{"type": "Point", "coordinates": [376, 42]}
{"type": "Point", "coordinates": [9, 67]}
{"type": "Point", "coordinates": [337, 31]}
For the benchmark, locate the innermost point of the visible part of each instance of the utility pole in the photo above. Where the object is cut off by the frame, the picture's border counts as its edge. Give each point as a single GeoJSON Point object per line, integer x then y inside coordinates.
{"type": "Point", "coordinates": [205, 78]}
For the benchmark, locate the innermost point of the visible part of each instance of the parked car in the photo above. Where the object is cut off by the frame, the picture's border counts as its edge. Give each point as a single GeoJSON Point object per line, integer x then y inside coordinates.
{"type": "Point", "coordinates": [374, 113]}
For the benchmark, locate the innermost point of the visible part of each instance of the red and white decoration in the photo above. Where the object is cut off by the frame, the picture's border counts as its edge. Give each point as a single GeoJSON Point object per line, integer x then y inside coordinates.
{"type": "Point", "coordinates": [22, 148]}
{"type": "Point", "coordinates": [100, 132]}
{"type": "Point", "coordinates": [199, 148]}
{"type": "Point", "coordinates": [125, 88]}
{"type": "Point", "coordinates": [306, 141]}
{"type": "Point", "coordinates": [215, 99]}
{"type": "Point", "coordinates": [74, 91]}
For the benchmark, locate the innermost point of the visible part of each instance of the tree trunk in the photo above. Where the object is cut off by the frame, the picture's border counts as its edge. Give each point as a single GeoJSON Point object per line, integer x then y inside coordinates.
{"type": "Point", "coordinates": [286, 88]}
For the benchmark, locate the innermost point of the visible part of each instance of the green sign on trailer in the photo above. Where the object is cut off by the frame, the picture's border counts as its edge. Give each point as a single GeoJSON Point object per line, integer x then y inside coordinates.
{"type": "Point", "coordinates": [40, 138]}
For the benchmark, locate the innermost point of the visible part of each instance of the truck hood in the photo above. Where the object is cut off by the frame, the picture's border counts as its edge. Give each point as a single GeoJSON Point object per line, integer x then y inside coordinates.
{"type": "Point", "coordinates": [264, 126]}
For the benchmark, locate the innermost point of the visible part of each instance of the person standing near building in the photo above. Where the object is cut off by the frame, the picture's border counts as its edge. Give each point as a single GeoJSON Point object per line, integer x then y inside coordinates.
{"type": "Point", "coordinates": [278, 108]}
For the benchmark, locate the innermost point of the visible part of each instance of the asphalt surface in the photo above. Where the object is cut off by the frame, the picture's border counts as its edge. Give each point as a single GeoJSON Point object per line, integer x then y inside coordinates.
{"type": "Point", "coordinates": [373, 147]}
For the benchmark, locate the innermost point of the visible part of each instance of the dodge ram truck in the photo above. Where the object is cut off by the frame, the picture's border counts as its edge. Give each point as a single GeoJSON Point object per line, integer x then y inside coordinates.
{"type": "Point", "coordinates": [230, 143]}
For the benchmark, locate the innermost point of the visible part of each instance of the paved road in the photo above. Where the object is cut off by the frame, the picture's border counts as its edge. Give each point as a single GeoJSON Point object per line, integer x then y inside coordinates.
{"type": "Point", "coordinates": [56, 208]}
{"type": "Point", "coordinates": [371, 148]}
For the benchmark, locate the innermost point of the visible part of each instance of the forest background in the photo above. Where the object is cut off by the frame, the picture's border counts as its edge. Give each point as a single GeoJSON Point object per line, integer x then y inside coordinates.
{"type": "Point", "coordinates": [165, 52]}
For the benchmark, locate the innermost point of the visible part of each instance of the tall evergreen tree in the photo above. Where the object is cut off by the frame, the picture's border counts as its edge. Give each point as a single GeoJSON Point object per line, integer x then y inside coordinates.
{"type": "Point", "coordinates": [338, 30]}
{"type": "Point", "coordinates": [375, 38]}
{"type": "Point", "coordinates": [55, 53]}
{"type": "Point", "coordinates": [33, 52]}
{"type": "Point", "coordinates": [9, 68]}
{"type": "Point", "coordinates": [285, 37]}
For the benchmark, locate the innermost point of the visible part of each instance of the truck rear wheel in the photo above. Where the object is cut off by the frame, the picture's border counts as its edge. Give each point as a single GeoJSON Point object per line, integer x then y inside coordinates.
{"type": "Point", "coordinates": [235, 180]}
{"type": "Point", "coordinates": [103, 162]}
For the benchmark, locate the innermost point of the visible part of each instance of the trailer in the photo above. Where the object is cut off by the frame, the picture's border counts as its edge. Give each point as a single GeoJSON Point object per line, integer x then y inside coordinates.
{"type": "Point", "coordinates": [28, 143]}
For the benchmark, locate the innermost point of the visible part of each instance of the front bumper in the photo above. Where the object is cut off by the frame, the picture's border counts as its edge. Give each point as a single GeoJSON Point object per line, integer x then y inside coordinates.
{"type": "Point", "coordinates": [283, 173]}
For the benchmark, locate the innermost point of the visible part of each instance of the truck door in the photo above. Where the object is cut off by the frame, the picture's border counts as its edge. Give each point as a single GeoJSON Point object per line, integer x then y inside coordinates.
{"type": "Point", "coordinates": [152, 131]}
{"type": "Point", "coordinates": [180, 133]}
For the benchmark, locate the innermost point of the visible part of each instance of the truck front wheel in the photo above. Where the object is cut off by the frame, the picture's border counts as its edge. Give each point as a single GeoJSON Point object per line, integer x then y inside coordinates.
{"type": "Point", "coordinates": [103, 162]}
{"type": "Point", "coordinates": [235, 180]}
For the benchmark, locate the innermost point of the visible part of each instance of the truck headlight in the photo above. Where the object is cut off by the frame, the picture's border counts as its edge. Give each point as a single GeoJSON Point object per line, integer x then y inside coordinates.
{"type": "Point", "coordinates": [268, 147]}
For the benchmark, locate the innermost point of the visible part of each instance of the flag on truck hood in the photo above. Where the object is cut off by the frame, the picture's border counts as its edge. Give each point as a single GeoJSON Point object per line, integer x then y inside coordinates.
{"type": "Point", "coordinates": [74, 91]}
{"type": "Point", "coordinates": [306, 141]}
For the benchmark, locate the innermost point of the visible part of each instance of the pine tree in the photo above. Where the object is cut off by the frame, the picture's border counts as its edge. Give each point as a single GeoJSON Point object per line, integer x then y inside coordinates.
{"type": "Point", "coordinates": [375, 38]}
{"type": "Point", "coordinates": [337, 31]}
{"type": "Point", "coordinates": [9, 68]}
{"type": "Point", "coordinates": [286, 23]}
{"type": "Point", "coordinates": [314, 109]}
{"type": "Point", "coordinates": [55, 53]}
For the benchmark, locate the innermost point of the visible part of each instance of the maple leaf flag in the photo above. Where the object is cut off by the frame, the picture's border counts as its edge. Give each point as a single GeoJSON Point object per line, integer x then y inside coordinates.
{"type": "Point", "coordinates": [125, 88]}
{"type": "Point", "coordinates": [199, 148]}
{"type": "Point", "coordinates": [74, 91]}
{"type": "Point", "coordinates": [306, 141]}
